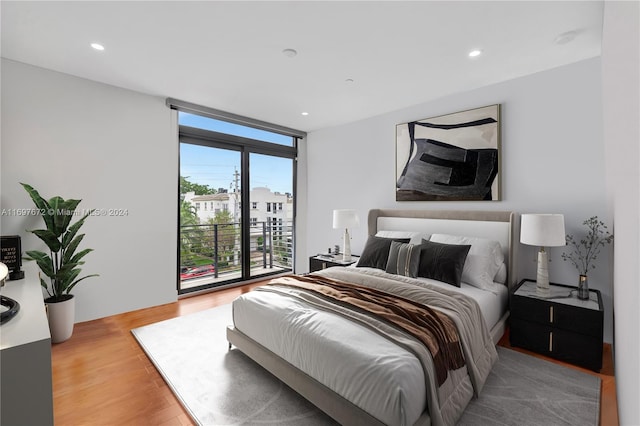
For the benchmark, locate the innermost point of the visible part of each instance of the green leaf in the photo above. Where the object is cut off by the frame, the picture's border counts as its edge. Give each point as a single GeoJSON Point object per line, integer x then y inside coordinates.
{"type": "Point", "coordinates": [68, 279]}
{"type": "Point", "coordinates": [66, 214]}
{"type": "Point", "coordinates": [83, 278]}
{"type": "Point", "coordinates": [41, 204]}
{"type": "Point", "coordinates": [68, 253]}
{"type": "Point", "coordinates": [73, 229]}
{"type": "Point", "coordinates": [43, 260]}
{"type": "Point", "coordinates": [63, 211]}
{"type": "Point", "coordinates": [49, 238]}
{"type": "Point", "coordinates": [66, 271]}
{"type": "Point", "coordinates": [80, 255]}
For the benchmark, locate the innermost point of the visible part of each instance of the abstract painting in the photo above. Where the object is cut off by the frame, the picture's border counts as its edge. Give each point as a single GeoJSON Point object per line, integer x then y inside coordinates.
{"type": "Point", "coordinates": [454, 157]}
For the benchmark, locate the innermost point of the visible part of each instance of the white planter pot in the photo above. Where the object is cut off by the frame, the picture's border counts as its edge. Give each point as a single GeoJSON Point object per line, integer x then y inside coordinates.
{"type": "Point", "coordinates": [62, 316]}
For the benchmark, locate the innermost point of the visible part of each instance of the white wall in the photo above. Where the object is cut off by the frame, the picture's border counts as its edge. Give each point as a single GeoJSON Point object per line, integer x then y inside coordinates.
{"type": "Point", "coordinates": [621, 93]}
{"type": "Point", "coordinates": [552, 162]}
{"type": "Point", "coordinates": [115, 149]}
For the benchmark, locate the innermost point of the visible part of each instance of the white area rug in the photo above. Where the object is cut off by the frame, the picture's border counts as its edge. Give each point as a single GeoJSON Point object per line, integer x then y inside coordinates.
{"type": "Point", "coordinates": [219, 386]}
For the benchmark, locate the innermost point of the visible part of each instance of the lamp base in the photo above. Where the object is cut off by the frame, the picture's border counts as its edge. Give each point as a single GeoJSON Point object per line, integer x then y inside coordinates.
{"type": "Point", "coordinates": [542, 276]}
{"type": "Point", "coordinates": [346, 256]}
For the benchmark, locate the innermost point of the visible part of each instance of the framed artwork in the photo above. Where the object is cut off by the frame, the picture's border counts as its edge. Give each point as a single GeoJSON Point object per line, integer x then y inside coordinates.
{"type": "Point", "coordinates": [454, 157]}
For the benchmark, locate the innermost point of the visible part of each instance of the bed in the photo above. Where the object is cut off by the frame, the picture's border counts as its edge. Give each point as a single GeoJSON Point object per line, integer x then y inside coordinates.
{"type": "Point", "coordinates": [364, 370]}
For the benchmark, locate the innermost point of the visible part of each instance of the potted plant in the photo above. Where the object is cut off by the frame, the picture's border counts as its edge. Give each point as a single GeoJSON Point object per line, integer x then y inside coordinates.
{"type": "Point", "coordinates": [61, 265]}
{"type": "Point", "coordinates": [585, 251]}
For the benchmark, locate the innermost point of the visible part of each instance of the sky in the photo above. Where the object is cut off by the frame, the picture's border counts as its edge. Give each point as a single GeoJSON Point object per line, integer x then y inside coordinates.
{"type": "Point", "coordinates": [216, 167]}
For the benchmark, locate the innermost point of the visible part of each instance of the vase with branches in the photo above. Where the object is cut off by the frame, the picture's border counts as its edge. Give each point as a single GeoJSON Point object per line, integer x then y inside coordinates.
{"type": "Point", "coordinates": [583, 252]}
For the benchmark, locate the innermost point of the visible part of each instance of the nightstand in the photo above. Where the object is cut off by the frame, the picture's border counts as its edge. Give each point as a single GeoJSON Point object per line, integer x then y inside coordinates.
{"type": "Point", "coordinates": [318, 262]}
{"type": "Point", "coordinates": [560, 326]}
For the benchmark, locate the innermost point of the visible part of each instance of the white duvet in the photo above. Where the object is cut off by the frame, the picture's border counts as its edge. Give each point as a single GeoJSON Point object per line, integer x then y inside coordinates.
{"type": "Point", "coordinates": [384, 379]}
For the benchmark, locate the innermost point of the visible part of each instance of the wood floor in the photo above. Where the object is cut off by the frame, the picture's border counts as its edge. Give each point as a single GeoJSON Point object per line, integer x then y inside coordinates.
{"type": "Point", "coordinates": [101, 376]}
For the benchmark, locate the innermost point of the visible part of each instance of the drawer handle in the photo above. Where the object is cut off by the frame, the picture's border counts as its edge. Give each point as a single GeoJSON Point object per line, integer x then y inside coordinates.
{"type": "Point", "coordinates": [551, 341]}
{"type": "Point", "coordinates": [551, 314]}
{"type": "Point", "coordinates": [324, 265]}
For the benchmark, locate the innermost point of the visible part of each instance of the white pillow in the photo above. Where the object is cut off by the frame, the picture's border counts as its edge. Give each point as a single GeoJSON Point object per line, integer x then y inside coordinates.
{"type": "Point", "coordinates": [501, 275]}
{"type": "Point", "coordinates": [483, 261]}
{"type": "Point", "coordinates": [415, 236]}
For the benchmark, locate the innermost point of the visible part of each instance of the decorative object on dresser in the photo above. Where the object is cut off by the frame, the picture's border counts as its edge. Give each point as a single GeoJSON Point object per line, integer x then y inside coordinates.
{"type": "Point", "coordinates": [345, 219]}
{"type": "Point", "coordinates": [62, 265]}
{"type": "Point", "coordinates": [11, 255]}
{"type": "Point", "coordinates": [323, 261]}
{"type": "Point", "coordinates": [560, 325]}
{"type": "Point", "coordinates": [584, 252]}
{"type": "Point", "coordinates": [452, 157]}
{"type": "Point", "coordinates": [543, 230]}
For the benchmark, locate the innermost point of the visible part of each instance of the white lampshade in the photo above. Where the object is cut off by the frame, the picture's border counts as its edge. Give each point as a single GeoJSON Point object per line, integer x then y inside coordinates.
{"type": "Point", "coordinates": [543, 230]}
{"type": "Point", "coordinates": [343, 219]}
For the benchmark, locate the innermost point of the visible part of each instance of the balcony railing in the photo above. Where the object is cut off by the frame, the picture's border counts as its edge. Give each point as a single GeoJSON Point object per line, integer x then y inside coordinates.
{"type": "Point", "coordinates": [215, 249]}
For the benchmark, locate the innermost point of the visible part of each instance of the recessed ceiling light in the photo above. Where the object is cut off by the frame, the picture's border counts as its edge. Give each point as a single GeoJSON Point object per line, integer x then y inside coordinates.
{"type": "Point", "coordinates": [289, 53]}
{"type": "Point", "coordinates": [474, 53]}
{"type": "Point", "coordinates": [305, 113]}
{"type": "Point", "coordinates": [97, 46]}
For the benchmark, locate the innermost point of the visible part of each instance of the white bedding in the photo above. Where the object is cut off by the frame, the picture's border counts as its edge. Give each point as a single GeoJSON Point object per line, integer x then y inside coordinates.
{"type": "Point", "coordinates": [493, 306]}
{"type": "Point", "coordinates": [300, 334]}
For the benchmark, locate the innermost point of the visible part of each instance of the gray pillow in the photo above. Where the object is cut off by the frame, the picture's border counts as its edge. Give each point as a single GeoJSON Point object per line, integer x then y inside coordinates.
{"type": "Point", "coordinates": [443, 262]}
{"type": "Point", "coordinates": [404, 259]}
{"type": "Point", "coordinates": [376, 252]}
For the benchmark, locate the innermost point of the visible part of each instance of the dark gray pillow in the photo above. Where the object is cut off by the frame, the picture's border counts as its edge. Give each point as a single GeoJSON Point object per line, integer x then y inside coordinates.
{"type": "Point", "coordinates": [404, 259]}
{"type": "Point", "coordinates": [443, 262]}
{"type": "Point", "coordinates": [376, 251]}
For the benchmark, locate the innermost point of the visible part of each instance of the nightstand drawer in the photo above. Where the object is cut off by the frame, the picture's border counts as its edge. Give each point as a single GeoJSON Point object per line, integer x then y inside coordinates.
{"type": "Point", "coordinates": [566, 317]}
{"type": "Point", "coordinates": [575, 348]}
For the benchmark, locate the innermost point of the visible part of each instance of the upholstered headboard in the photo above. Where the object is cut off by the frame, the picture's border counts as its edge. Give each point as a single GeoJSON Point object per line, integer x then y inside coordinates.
{"type": "Point", "coordinates": [493, 225]}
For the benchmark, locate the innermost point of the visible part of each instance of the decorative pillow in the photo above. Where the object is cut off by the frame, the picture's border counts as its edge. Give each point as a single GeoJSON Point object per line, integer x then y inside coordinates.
{"type": "Point", "coordinates": [443, 262]}
{"type": "Point", "coordinates": [416, 237]}
{"type": "Point", "coordinates": [376, 252]}
{"type": "Point", "coordinates": [483, 261]}
{"type": "Point", "coordinates": [404, 259]}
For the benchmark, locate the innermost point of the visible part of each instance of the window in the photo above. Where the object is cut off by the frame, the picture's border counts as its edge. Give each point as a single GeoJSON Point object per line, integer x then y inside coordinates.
{"type": "Point", "coordinates": [250, 166]}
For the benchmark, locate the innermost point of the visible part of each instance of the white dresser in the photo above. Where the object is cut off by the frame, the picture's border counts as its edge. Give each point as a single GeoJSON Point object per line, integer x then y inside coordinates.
{"type": "Point", "coordinates": [26, 396]}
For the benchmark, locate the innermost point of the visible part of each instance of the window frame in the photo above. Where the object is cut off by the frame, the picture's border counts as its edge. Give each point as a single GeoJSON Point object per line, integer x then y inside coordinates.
{"type": "Point", "coordinates": [246, 147]}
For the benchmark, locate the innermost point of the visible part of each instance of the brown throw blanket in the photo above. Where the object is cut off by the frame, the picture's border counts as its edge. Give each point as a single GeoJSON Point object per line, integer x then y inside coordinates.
{"type": "Point", "coordinates": [431, 327]}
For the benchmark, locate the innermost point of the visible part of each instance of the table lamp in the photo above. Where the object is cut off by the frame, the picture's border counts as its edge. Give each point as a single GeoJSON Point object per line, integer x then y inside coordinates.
{"type": "Point", "coordinates": [543, 230]}
{"type": "Point", "coordinates": [345, 219]}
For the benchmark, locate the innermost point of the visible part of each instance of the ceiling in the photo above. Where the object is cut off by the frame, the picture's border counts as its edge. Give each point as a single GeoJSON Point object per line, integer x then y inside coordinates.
{"type": "Point", "coordinates": [229, 55]}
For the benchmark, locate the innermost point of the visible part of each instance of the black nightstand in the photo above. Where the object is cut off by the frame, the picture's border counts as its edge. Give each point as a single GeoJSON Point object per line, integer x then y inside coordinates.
{"type": "Point", "coordinates": [560, 326]}
{"type": "Point", "coordinates": [317, 263]}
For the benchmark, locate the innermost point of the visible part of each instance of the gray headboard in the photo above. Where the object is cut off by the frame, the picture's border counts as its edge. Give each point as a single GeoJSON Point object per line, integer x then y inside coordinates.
{"type": "Point", "coordinates": [494, 225]}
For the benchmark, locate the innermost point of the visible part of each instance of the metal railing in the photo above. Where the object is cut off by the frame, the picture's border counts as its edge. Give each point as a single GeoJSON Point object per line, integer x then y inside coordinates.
{"type": "Point", "coordinates": [215, 249]}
